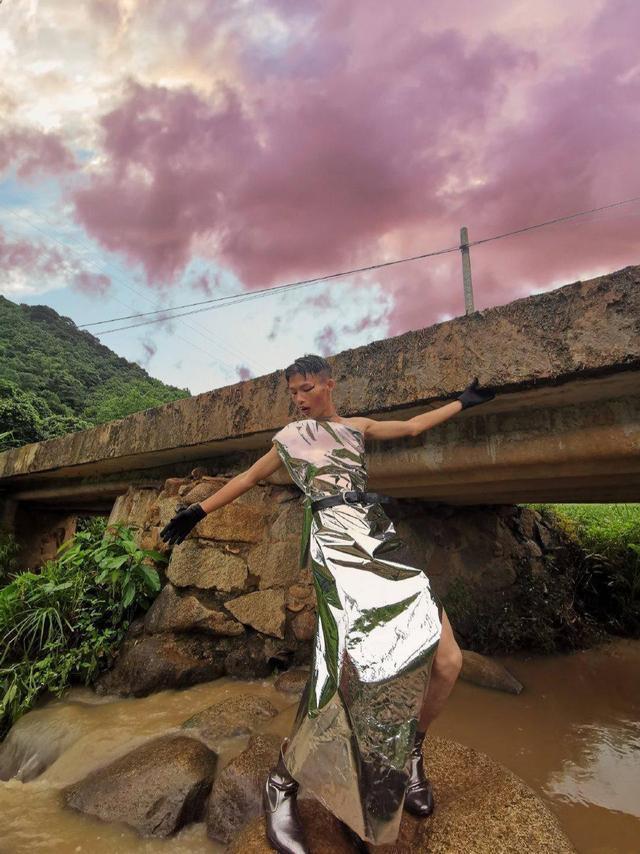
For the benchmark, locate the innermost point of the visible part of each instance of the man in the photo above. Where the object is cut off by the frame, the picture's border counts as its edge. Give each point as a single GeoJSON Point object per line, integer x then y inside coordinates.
{"type": "Point", "coordinates": [385, 658]}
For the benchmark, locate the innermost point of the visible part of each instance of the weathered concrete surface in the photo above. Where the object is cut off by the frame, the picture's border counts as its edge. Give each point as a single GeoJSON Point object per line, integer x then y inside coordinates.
{"type": "Point", "coordinates": [565, 424]}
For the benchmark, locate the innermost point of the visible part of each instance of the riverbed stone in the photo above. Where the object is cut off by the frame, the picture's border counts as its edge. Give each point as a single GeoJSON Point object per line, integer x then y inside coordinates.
{"type": "Point", "coordinates": [156, 788]}
{"type": "Point", "coordinates": [237, 715]}
{"type": "Point", "coordinates": [275, 562]}
{"type": "Point", "coordinates": [236, 796]}
{"type": "Point", "coordinates": [262, 609]}
{"type": "Point", "coordinates": [484, 671]}
{"type": "Point", "coordinates": [292, 681]}
{"type": "Point", "coordinates": [171, 612]}
{"type": "Point", "coordinates": [155, 662]}
{"type": "Point", "coordinates": [195, 564]}
{"type": "Point", "coordinates": [24, 755]}
{"type": "Point", "coordinates": [481, 807]}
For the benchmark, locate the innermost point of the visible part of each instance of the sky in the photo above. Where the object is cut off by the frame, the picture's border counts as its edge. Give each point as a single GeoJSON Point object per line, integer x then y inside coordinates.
{"type": "Point", "coordinates": [156, 154]}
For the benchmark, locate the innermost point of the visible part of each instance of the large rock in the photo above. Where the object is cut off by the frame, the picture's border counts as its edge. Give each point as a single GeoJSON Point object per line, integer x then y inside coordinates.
{"type": "Point", "coordinates": [172, 612]}
{"type": "Point", "coordinates": [481, 808]}
{"type": "Point", "coordinates": [289, 521]}
{"type": "Point", "coordinates": [262, 609]}
{"type": "Point", "coordinates": [234, 522]}
{"type": "Point", "coordinates": [483, 671]}
{"type": "Point", "coordinates": [250, 659]}
{"type": "Point", "coordinates": [197, 564]}
{"type": "Point", "coordinates": [156, 788]}
{"type": "Point", "coordinates": [155, 662]}
{"type": "Point", "coordinates": [237, 715]}
{"type": "Point", "coordinates": [275, 563]}
{"type": "Point", "coordinates": [38, 738]}
{"type": "Point", "coordinates": [292, 681]}
{"type": "Point", "coordinates": [236, 796]}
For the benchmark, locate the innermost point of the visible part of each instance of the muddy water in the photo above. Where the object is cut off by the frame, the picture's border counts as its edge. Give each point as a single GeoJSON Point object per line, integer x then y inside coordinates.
{"type": "Point", "coordinates": [573, 735]}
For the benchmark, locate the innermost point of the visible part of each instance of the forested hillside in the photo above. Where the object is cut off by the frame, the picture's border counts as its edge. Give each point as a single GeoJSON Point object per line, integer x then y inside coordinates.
{"type": "Point", "coordinates": [56, 378]}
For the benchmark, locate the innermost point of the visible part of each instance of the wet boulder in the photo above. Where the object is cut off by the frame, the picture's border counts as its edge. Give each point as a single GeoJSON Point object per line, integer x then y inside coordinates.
{"type": "Point", "coordinates": [292, 681]}
{"type": "Point", "coordinates": [234, 716]}
{"type": "Point", "coordinates": [156, 788]}
{"type": "Point", "coordinates": [481, 807]}
{"type": "Point", "coordinates": [38, 738]}
{"type": "Point", "coordinates": [155, 662]}
{"type": "Point", "coordinates": [236, 796]}
{"type": "Point", "coordinates": [488, 673]}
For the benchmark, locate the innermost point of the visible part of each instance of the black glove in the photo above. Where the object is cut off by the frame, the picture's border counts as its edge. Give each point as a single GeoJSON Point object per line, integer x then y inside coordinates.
{"type": "Point", "coordinates": [179, 526]}
{"type": "Point", "coordinates": [472, 395]}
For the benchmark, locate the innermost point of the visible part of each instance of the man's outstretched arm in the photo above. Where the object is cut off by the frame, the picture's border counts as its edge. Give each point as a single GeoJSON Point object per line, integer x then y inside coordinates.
{"type": "Point", "coordinates": [186, 519]}
{"type": "Point", "coordinates": [471, 396]}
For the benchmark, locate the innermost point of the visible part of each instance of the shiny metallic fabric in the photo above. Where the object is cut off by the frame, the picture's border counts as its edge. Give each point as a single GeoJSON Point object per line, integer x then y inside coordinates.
{"type": "Point", "coordinates": [377, 630]}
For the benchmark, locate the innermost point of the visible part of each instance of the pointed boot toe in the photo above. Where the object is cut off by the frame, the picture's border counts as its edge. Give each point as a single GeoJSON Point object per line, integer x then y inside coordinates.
{"type": "Point", "coordinates": [419, 800]}
{"type": "Point", "coordinates": [284, 828]}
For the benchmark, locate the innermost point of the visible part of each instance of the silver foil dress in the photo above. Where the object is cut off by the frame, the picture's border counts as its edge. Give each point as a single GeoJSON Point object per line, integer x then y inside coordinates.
{"type": "Point", "coordinates": [377, 629]}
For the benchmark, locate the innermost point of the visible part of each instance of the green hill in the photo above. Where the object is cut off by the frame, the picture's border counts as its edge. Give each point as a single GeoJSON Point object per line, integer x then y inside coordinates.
{"type": "Point", "coordinates": [56, 378]}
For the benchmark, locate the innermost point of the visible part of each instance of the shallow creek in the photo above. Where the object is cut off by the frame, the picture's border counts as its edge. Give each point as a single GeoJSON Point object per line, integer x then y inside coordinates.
{"type": "Point", "coordinates": [573, 735]}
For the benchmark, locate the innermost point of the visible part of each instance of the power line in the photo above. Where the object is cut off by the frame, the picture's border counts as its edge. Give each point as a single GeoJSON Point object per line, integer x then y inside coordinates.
{"type": "Point", "coordinates": [241, 297]}
{"type": "Point", "coordinates": [552, 221]}
{"type": "Point", "coordinates": [231, 352]}
{"type": "Point", "coordinates": [287, 286]}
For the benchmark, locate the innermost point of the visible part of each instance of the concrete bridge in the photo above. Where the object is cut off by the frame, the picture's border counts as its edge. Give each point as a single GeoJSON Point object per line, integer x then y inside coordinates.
{"type": "Point", "coordinates": [564, 426]}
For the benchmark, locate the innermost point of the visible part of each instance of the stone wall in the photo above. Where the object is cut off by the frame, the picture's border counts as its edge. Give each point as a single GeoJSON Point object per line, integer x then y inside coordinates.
{"type": "Point", "coordinates": [234, 600]}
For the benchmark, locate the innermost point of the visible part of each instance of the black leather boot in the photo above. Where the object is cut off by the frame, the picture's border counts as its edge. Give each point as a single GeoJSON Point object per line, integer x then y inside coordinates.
{"type": "Point", "coordinates": [284, 828]}
{"type": "Point", "coordinates": [419, 797]}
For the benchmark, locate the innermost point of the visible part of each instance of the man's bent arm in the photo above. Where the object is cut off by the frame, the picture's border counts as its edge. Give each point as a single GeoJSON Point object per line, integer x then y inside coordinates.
{"type": "Point", "coordinates": [264, 466]}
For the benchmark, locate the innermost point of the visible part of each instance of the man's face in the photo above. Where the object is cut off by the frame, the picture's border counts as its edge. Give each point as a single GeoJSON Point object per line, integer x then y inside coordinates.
{"type": "Point", "coordinates": [311, 394]}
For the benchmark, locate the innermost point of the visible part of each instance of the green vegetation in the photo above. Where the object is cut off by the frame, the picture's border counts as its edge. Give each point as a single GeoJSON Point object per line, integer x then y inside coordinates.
{"type": "Point", "coordinates": [9, 549]}
{"type": "Point", "coordinates": [57, 379]}
{"type": "Point", "coordinates": [64, 623]}
{"type": "Point", "coordinates": [588, 589]}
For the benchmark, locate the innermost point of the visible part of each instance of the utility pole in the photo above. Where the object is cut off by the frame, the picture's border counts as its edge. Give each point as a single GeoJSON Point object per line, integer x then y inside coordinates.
{"type": "Point", "coordinates": [466, 270]}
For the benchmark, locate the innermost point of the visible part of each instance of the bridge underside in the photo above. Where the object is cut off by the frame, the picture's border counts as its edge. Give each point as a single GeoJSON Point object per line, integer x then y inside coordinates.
{"type": "Point", "coordinates": [578, 441]}
{"type": "Point", "coordinates": [564, 425]}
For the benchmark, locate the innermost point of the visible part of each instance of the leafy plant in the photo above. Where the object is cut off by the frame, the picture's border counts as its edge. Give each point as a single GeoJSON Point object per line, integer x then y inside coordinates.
{"type": "Point", "coordinates": [65, 622]}
{"type": "Point", "coordinates": [9, 550]}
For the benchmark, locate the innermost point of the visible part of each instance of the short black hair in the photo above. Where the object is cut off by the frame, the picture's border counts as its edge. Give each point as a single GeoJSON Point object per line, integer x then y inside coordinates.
{"type": "Point", "coordinates": [308, 364]}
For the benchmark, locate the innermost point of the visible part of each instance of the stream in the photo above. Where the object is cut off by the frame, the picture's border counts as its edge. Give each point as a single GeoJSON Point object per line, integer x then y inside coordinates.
{"type": "Point", "coordinates": [573, 735]}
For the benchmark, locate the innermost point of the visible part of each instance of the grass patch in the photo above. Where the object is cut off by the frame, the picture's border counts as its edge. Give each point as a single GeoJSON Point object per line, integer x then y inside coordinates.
{"type": "Point", "coordinates": [64, 623]}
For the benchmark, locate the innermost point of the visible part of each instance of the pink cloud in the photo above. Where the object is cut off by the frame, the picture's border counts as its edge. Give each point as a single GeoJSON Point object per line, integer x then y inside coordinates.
{"type": "Point", "coordinates": [306, 175]}
{"type": "Point", "coordinates": [91, 284]}
{"type": "Point", "coordinates": [33, 151]}
{"type": "Point", "coordinates": [30, 258]}
{"type": "Point", "coordinates": [356, 131]}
